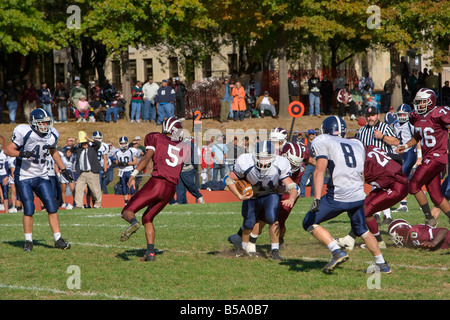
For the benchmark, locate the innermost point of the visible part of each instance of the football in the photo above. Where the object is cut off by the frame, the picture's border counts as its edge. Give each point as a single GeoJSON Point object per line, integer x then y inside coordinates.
{"type": "Point", "coordinates": [244, 187]}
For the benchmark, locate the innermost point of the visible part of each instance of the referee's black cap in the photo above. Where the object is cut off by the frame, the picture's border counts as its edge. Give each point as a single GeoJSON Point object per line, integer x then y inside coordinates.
{"type": "Point", "coordinates": [372, 110]}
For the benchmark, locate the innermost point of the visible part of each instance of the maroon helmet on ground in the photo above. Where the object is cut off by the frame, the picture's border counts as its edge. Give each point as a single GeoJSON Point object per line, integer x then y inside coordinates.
{"type": "Point", "coordinates": [398, 231]}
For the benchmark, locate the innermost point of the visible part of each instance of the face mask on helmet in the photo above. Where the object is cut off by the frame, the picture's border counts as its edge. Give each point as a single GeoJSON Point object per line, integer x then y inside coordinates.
{"type": "Point", "coordinates": [424, 101]}
{"type": "Point", "coordinates": [264, 155]}
{"type": "Point", "coordinates": [293, 153]}
{"type": "Point", "coordinates": [398, 232]}
{"type": "Point", "coordinates": [40, 121]}
{"type": "Point", "coordinates": [403, 117]}
{"type": "Point", "coordinates": [174, 127]}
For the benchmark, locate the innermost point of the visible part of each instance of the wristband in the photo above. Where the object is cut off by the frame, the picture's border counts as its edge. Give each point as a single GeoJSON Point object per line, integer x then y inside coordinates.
{"type": "Point", "coordinates": [135, 173]}
{"type": "Point", "coordinates": [406, 146]}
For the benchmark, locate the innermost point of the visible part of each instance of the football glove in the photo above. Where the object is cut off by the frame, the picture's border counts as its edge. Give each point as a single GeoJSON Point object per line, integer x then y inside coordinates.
{"type": "Point", "coordinates": [26, 154]}
{"type": "Point", "coordinates": [123, 164]}
{"type": "Point", "coordinates": [315, 205]}
{"type": "Point", "coordinates": [67, 175]}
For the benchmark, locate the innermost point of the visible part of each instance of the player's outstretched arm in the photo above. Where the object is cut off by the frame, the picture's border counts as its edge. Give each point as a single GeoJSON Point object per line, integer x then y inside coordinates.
{"type": "Point", "coordinates": [143, 163]}
{"type": "Point", "coordinates": [294, 192]}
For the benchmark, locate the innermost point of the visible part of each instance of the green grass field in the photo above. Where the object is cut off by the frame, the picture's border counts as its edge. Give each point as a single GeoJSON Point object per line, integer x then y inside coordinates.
{"type": "Point", "coordinates": [195, 261]}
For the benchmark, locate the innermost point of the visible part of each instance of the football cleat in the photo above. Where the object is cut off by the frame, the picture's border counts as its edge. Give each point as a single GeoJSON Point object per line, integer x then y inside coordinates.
{"type": "Point", "coordinates": [132, 228]}
{"type": "Point", "coordinates": [62, 244]}
{"type": "Point", "coordinates": [381, 245]}
{"type": "Point", "coordinates": [275, 254]}
{"type": "Point", "coordinates": [28, 246]}
{"type": "Point", "coordinates": [338, 256]}
{"type": "Point", "coordinates": [401, 208]}
{"type": "Point", "coordinates": [379, 267]}
{"type": "Point", "coordinates": [149, 257]}
{"type": "Point", "coordinates": [251, 250]}
{"type": "Point", "coordinates": [235, 240]}
{"type": "Point", "coordinates": [387, 221]}
{"type": "Point", "coordinates": [432, 222]}
{"type": "Point", "coordinates": [346, 242]}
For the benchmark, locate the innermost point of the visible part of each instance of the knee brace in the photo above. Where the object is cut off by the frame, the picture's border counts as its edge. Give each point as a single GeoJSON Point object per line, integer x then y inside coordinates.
{"type": "Point", "coordinates": [311, 228]}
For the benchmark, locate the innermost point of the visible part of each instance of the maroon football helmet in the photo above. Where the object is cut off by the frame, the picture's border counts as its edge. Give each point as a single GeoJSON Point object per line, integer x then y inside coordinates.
{"type": "Point", "coordinates": [174, 127]}
{"type": "Point", "coordinates": [294, 153]}
{"type": "Point", "coordinates": [424, 101]}
{"type": "Point", "coordinates": [398, 231]}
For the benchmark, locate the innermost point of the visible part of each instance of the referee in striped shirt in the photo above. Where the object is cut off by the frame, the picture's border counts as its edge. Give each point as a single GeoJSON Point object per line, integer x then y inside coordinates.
{"type": "Point", "coordinates": [377, 133]}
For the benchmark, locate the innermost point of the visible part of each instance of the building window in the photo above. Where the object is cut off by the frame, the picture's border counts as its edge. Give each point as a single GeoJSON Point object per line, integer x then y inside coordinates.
{"type": "Point", "coordinates": [133, 75]}
{"type": "Point", "coordinates": [190, 69]}
{"type": "Point", "coordinates": [148, 68]}
{"type": "Point", "coordinates": [173, 67]}
{"type": "Point", "coordinates": [206, 67]}
{"type": "Point", "coordinates": [232, 63]}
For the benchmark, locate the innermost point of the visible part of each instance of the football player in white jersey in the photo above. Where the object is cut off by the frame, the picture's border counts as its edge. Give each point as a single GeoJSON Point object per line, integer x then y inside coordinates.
{"type": "Point", "coordinates": [265, 171]}
{"type": "Point", "coordinates": [67, 161]}
{"type": "Point", "coordinates": [405, 131]}
{"type": "Point", "coordinates": [4, 179]}
{"type": "Point", "coordinates": [30, 145]}
{"type": "Point", "coordinates": [126, 160]}
{"type": "Point", "coordinates": [344, 158]}
{"type": "Point", "coordinates": [16, 205]}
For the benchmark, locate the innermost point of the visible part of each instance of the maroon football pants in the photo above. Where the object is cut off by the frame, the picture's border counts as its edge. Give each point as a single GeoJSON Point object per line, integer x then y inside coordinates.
{"type": "Point", "coordinates": [154, 195]}
{"type": "Point", "coordinates": [428, 174]}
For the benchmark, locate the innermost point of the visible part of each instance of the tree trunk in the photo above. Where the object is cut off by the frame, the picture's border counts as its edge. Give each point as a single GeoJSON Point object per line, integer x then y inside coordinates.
{"type": "Point", "coordinates": [282, 75]}
{"type": "Point", "coordinates": [126, 82]}
{"type": "Point", "coordinates": [396, 72]}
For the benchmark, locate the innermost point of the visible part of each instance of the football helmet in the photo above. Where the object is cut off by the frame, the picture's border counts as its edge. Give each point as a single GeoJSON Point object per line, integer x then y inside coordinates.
{"type": "Point", "coordinates": [123, 143]}
{"type": "Point", "coordinates": [174, 127]}
{"type": "Point", "coordinates": [264, 155]}
{"type": "Point", "coordinates": [334, 126]}
{"type": "Point", "coordinates": [97, 135]}
{"type": "Point", "coordinates": [294, 153]}
{"type": "Point", "coordinates": [278, 135]}
{"type": "Point", "coordinates": [424, 101]}
{"type": "Point", "coordinates": [403, 112]}
{"type": "Point", "coordinates": [40, 121]}
{"type": "Point", "coordinates": [398, 231]}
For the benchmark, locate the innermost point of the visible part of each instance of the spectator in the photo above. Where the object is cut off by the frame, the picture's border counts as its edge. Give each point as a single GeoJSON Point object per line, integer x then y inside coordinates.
{"type": "Point", "coordinates": [370, 102]}
{"type": "Point", "coordinates": [412, 80]}
{"type": "Point", "coordinates": [304, 90]}
{"type": "Point", "coordinates": [95, 91]}
{"type": "Point", "coordinates": [29, 98]}
{"type": "Point", "coordinates": [293, 87]}
{"type": "Point", "coordinates": [116, 107]}
{"type": "Point", "coordinates": [225, 100]}
{"type": "Point", "coordinates": [390, 117]}
{"type": "Point", "coordinates": [366, 80]}
{"type": "Point", "coordinates": [88, 167]}
{"type": "Point", "coordinates": [82, 111]}
{"type": "Point", "coordinates": [108, 93]}
{"type": "Point", "coordinates": [165, 102]}
{"type": "Point", "coordinates": [265, 102]}
{"type": "Point", "coordinates": [247, 147]}
{"type": "Point", "coordinates": [180, 96]}
{"type": "Point", "coordinates": [389, 86]}
{"type": "Point", "coordinates": [98, 107]}
{"type": "Point", "coordinates": [234, 151]}
{"type": "Point", "coordinates": [207, 162]}
{"type": "Point", "coordinates": [252, 91]}
{"type": "Point", "coordinates": [344, 99]}
{"type": "Point", "coordinates": [46, 99]}
{"type": "Point", "coordinates": [136, 102]}
{"type": "Point", "coordinates": [239, 105]}
{"type": "Point", "coordinates": [309, 169]}
{"type": "Point", "coordinates": [314, 95]}
{"type": "Point", "coordinates": [357, 98]}
{"type": "Point", "coordinates": [11, 97]}
{"type": "Point", "coordinates": [405, 69]}
{"type": "Point", "coordinates": [77, 91]}
{"type": "Point", "coordinates": [340, 81]}
{"type": "Point", "coordinates": [446, 94]}
{"type": "Point", "coordinates": [150, 90]}
{"type": "Point", "coordinates": [219, 154]}
{"type": "Point", "coordinates": [62, 96]}
{"type": "Point", "coordinates": [326, 91]}
{"type": "Point", "coordinates": [406, 94]}
{"type": "Point", "coordinates": [432, 82]}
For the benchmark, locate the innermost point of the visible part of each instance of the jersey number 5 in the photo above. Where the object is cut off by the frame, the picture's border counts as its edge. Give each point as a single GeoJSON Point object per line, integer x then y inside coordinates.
{"type": "Point", "coordinates": [173, 161]}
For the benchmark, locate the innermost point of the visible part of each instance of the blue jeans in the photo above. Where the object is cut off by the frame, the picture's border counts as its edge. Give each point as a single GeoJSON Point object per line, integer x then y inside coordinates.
{"type": "Point", "coordinates": [165, 110]}
{"type": "Point", "coordinates": [187, 183]}
{"type": "Point", "coordinates": [218, 172]}
{"type": "Point", "coordinates": [148, 111]}
{"type": "Point", "coordinates": [309, 171]}
{"type": "Point", "coordinates": [314, 104]}
{"type": "Point", "coordinates": [231, 110]}
{"type": "Point", "coordinates": [12, 109]}
{"type": "Point", "coordinates": [48, 107]}
{"type": "Point", "coordinates": [136, 110]}
{"type": "Point", "coordinates": [115, 112]}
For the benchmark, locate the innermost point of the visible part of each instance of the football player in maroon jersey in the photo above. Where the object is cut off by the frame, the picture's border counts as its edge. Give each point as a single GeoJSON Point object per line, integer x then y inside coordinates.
{"type": "Point", "coordinates": [431, 125]}
{"type": "Point", "coordinates": [391, 186]}
{"type": "Point", "coordinates": [418, 236]}
{"type": "Point", "coordinates": [168, 154]}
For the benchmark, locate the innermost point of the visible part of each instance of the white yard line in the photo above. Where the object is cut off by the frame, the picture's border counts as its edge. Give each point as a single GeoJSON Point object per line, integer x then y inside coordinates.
{"type": "Point", "coordinates": [69, 292]}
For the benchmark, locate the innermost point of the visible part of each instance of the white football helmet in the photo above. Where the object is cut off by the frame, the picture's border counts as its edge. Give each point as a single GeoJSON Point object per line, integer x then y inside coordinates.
{"type": "Point", "coordinates": [279, 135]}
{"type": "Point", "coordinates": [264, 155]}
